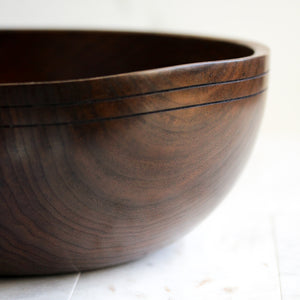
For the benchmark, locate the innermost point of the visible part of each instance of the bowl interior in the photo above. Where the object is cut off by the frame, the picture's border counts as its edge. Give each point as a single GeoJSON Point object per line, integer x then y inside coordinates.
{"type": "Point", "coordinates": [35, 56]}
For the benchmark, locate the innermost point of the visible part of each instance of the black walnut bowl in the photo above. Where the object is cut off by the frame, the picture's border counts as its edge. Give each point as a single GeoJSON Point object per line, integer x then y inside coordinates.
{"type": "Point", "coordinates": [113, 144]}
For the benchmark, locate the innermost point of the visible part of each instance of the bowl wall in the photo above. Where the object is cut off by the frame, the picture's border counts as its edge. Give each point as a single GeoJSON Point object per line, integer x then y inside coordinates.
{"type": "Point", "coordinates": [101, 180]}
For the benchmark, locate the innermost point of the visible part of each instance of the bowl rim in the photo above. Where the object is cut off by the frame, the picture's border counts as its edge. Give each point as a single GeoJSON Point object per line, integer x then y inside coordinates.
{"type": "Point", "coordinates": [259, 51]}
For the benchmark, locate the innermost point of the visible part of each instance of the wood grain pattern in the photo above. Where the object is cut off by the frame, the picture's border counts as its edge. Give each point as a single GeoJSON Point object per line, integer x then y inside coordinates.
{"type": "Point", "coordinates": [100, 171]}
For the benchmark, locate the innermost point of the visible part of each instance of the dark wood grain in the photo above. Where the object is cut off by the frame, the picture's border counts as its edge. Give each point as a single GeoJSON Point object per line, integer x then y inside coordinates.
{"type": "Point", "coordinates": [137, 139]}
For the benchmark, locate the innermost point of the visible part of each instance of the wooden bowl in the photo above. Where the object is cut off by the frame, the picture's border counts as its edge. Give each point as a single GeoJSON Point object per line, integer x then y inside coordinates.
{"type": "Point", "coordinates": [114, 144]}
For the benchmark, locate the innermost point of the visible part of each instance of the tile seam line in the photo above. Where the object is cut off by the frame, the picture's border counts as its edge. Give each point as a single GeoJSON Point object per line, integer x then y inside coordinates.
{"type": "Point", "coordinates": [275, 243]}
{"type": "Point", "coordinates": [74, 286]}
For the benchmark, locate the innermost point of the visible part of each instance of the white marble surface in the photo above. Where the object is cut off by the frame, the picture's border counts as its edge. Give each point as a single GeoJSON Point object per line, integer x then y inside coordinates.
{"type": "Point", "coordinates": [37, 288]}
{"type": "Point", "coordinates": [248, 248]}
{"type": "Point", "coordinates": [287, 230]}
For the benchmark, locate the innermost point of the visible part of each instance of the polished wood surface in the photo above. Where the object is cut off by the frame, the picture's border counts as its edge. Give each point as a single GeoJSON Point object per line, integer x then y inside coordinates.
{"type": "Point", "coordinates": [96, 171]}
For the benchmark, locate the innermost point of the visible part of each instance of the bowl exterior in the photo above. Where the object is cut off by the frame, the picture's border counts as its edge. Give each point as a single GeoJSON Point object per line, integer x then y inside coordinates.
{"type": "Point", "coordinates": [101, 171]}
{"type": "Point", "coordinates": [79, 197]}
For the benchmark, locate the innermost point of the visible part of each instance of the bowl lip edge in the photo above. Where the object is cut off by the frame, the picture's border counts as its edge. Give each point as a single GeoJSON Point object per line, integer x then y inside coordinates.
{"type": "Point", "coordinates": [259, 51]}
